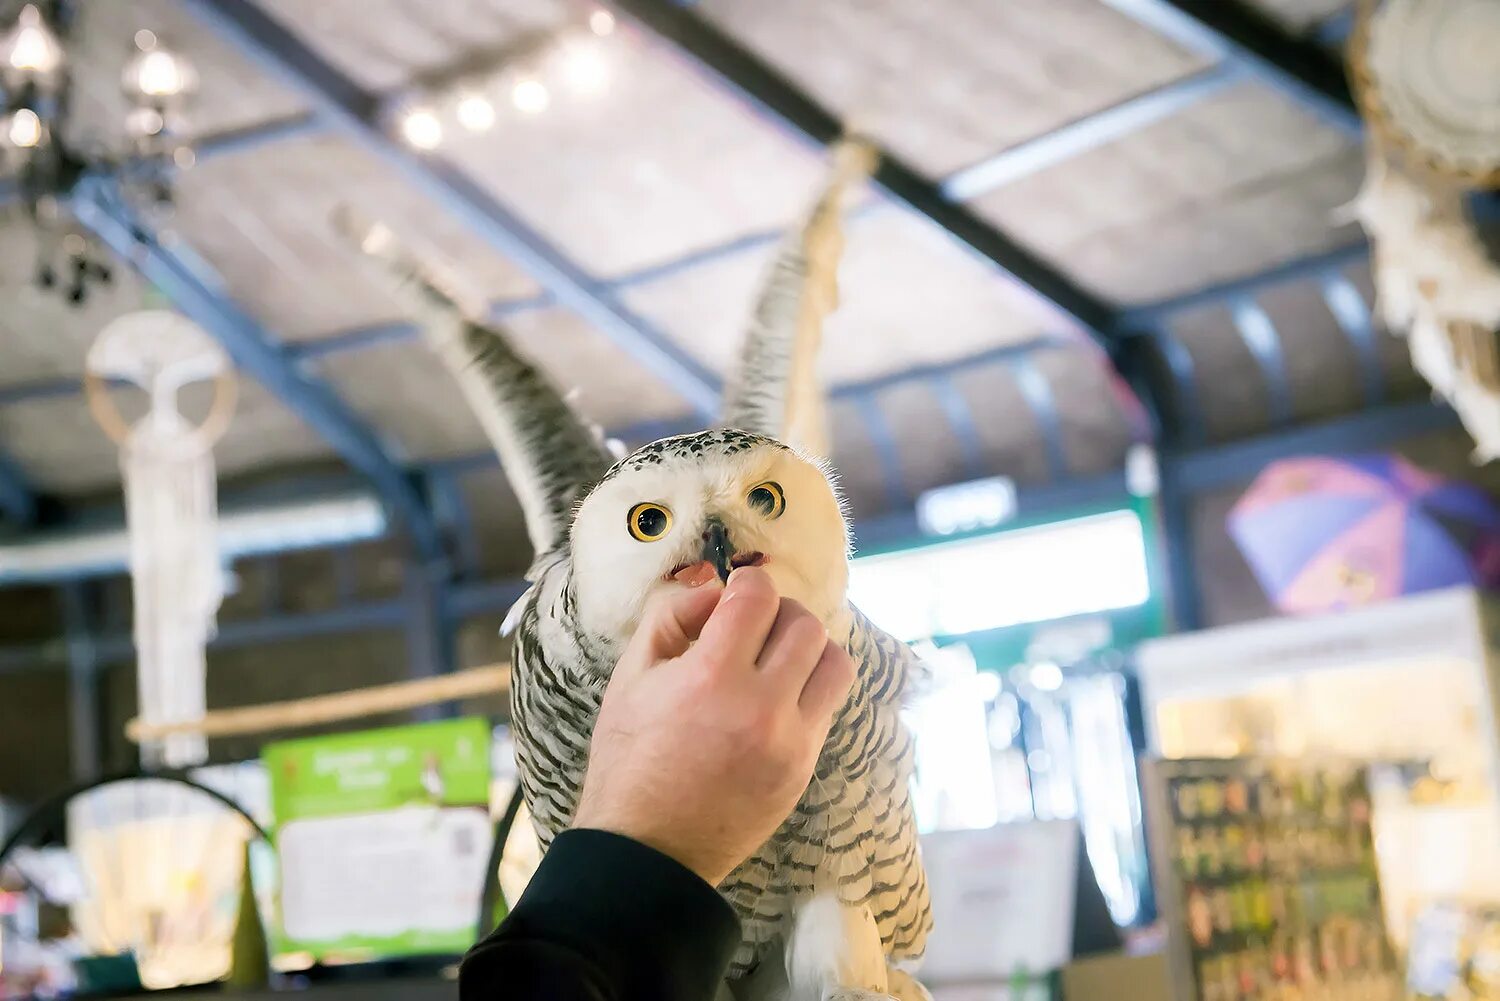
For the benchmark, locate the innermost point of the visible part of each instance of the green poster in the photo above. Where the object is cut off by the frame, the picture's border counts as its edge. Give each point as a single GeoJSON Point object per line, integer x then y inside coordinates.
{"type": "Point", "coordinates": [383, 837]}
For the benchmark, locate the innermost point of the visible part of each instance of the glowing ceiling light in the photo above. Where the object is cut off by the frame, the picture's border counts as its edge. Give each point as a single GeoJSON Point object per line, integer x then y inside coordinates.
{"type": "Point", "coordinates": [145, 122]}
{"type": "Point", "coordinates": [31, 47]}
{"type": "Point", "coordinates": [584, 68]}
{"type": "Point", "coordinates": [157, 71]}
{"type": "Point", "coordinates": [601, 22]}
{"type": "Point", "coordinates": [475, 112]}
{"type": "Point", "coordinates": [422, 128]}
{"type": "Point", "coordinates": [530, 96]}
{"type": "Point", "coordinates": [25, 129]}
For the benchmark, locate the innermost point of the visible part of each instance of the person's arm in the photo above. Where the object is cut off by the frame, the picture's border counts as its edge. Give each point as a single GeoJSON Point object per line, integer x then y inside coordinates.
{"type": "Point", "coordinates": [705, 740]}
{"type": "Point", "coordinates": [606, 919]}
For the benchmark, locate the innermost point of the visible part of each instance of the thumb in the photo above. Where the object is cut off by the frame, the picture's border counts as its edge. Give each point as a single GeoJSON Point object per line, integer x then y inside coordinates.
{"type": "Point", "coordinates": [674, 619]}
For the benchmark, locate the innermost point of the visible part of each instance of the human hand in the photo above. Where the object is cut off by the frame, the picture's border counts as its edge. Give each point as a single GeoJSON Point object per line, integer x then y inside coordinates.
{"type": "Point", "coordinates": [712, 722]}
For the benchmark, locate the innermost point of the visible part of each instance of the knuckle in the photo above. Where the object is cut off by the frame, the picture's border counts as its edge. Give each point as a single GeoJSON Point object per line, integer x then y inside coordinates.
{"type": "Point", "coordinates": [807, 634]}
{"type": "Point", "coordinates": [758, 728]}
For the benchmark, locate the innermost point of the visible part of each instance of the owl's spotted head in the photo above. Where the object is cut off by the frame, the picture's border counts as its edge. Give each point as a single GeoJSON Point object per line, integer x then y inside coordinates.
{"type": "Point", "coordinates": [724, 498]}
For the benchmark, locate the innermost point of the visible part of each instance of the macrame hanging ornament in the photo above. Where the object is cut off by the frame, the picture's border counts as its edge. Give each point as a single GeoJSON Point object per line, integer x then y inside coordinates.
{"type": "Point", "coordinates": [171, 511]}
{"type": "Point", "coordinates": [1428, 82]}
{"type": "Point", "coordinates": [1427, 76]}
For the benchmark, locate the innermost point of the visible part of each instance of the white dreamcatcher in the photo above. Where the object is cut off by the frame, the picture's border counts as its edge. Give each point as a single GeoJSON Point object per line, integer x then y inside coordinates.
{"type": "Point", "coordinates": [171, 511]}
{"type": "Point", "coordinates": [1428, 82]}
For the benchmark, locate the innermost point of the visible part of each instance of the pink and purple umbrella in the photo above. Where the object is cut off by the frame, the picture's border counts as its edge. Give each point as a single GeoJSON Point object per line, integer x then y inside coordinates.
{"type": "Point", "coordinates": [1329, 533]}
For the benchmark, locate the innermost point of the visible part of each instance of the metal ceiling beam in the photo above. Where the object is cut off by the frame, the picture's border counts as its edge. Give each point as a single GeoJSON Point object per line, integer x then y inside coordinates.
{"type": "Point", "coordinates": [356, 113]}
{"type": "Point", "coordinates": [254, 352]}
{"type": "Point", "coordinates": [253, 137]}
{"type": "Point", "coordinates": [230, 143]}
{"type": "Point", "coordinates": [1316, 266]}
{"type": "Point", "coordinates": [729, 65]}
{"type": "Point", "coordinates": [1236, 31]}
{"type": "Point", "coordinates": [1222, 466]}
{"type": "Point", "coordinates": [1089, 132]}
{"type": "Point", "coordinates": [1352, 314]}
{"type": "Point", "coordinates": [1037, 393]}
{"type": "Point", "coordinates": [1263, 341]}
{"type": "Point", "coordinates": [887, 451]}
{"type": "Point", "coordinates": [17, 500]}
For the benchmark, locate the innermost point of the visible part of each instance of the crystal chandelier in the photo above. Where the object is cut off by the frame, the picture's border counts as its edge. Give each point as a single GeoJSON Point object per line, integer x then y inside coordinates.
{"type": "Point", "coordinates": [45, 157]}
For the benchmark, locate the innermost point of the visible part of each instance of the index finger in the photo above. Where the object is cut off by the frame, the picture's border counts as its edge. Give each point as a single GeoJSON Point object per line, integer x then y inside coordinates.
{"type": "Point", "coordinates": [742, 620]}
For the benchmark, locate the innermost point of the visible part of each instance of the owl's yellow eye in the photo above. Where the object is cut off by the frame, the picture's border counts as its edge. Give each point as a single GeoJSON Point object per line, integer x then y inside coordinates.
{"type": "Point", "coordinates": [768, 499]}
{"type": "Point", "coordinates": [649, 522]}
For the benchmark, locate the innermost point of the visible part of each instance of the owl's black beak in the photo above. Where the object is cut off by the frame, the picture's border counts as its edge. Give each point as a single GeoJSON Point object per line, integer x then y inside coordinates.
{"type": "Point", "coordinates": [717, 548]}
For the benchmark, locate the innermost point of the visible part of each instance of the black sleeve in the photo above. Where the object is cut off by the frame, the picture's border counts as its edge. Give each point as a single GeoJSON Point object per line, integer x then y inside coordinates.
{"type": "Point", "coordinates": [606, 919]}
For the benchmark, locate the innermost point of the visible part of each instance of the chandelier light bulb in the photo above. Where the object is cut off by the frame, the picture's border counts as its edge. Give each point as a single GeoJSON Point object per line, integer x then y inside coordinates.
{"type": "Point", "coordinates": [24, 129]}
{"type": "Point", "coordinates": [601, 22]}
{"type": "Point", "coordinates": [144, 123]}
{"type": "Point", "coordinates": [584, 68]}
{"type": "Point", "coordinates": [475, 112]}
{"type": "Point", "coordinates": [530, 96]}
{"type": "Point", "coordinates": [31, 47]}
{"type": "Point", "coordinates": [160, 73]}
{"type": "Point", "coordinates": [422, 128]}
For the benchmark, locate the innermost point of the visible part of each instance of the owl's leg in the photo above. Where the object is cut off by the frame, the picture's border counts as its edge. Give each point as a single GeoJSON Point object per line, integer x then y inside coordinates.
{"type": "Point", "coordinates": [834, 953]}
{"type": "Point", "coordinates": [904, 986]}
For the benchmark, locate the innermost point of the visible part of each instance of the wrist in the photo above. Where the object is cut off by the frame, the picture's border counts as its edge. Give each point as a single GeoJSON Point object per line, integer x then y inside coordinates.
{"type": "Point", "coordinates": [709, 870]}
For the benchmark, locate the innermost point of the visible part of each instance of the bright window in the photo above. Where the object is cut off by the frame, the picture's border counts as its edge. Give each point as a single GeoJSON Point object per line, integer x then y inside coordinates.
{"type": "Point", "coordinates": [1076, 567]}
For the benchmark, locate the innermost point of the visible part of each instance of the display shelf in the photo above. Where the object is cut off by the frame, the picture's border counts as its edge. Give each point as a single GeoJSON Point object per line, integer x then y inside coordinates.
{"type": "Point", "coordinates": [1411, 683]}
{"type": "Point", "coordinates": [1268, 883]}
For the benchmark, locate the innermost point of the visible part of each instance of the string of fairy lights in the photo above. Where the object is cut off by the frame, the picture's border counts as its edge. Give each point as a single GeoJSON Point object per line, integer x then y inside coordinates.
{"type": "Point", "coordinates": [567, 63]}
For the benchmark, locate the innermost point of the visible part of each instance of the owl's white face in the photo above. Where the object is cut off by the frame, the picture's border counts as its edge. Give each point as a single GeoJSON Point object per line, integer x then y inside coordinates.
{"type": "Point", "coordinates": [750, 503]}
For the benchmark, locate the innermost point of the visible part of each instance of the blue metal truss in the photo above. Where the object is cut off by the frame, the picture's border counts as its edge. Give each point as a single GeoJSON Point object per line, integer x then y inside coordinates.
{"type": "Point", "coordinates": [872, 418]}
{"type": "Point", "coordinates": [346, 107]}
{"type": "Point", "coordinates": [727, 65]}
{"type": "Point", "coordinates": [237, 141]}
{"type": "Point", "coordinates": [1235, 463]}
{"type": "Point", "coordinates": [1260, 336]}
{"type": "Point", "coordinates": [254, 352]}
{"type": "Point", "coordinates": [17, 501]}
{"type": "Point", "coordinates": [961, 422]}
{"type": "Point", "coordinates": [1233, 30]}
{"type": "Point", "coordinates": [1348, 307]}
{"type": "Point", "coordinates": [460, 602]}
{"type": "Point", "coordinates": [1190, 426]}
{"type": "Point", "coordinates": [1089, 132]}
{"type": "Point", "coordinates": [1243, 43]}
{"type": "Point", "coordinates": [1330, 263]}
{"type": "Point", "coordinates": [1037, 392]}
{"type": "Point", "coordinates": [84, 723]}
{"type": "Point", "coordinates": [1335, 29]}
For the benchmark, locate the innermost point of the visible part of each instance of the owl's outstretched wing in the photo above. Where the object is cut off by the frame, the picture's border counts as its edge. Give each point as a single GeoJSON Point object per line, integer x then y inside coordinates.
{"type": "Point", "coordinates": [550, 454]}
{"type": "Point", "coordinates": [775, 388]}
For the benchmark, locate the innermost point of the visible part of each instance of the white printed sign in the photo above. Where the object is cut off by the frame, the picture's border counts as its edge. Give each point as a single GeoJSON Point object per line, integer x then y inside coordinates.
{"type": "Point", "coordinates": [383, 874]}
{"type": "Point", "coordinates": [1002, 900]}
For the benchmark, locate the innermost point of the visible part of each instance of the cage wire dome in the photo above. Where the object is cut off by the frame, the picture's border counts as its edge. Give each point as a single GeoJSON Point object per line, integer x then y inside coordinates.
{"type": "Point", "coordinates": [152, 868]}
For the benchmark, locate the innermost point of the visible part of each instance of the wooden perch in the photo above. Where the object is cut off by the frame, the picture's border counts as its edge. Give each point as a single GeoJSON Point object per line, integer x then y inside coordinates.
{"type": "Point", "coordinates": [320, 709]}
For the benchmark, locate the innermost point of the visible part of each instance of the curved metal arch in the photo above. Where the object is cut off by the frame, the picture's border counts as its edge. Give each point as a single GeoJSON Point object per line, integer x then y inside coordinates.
{"type": "Point", "coordinates": [53, 805]}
